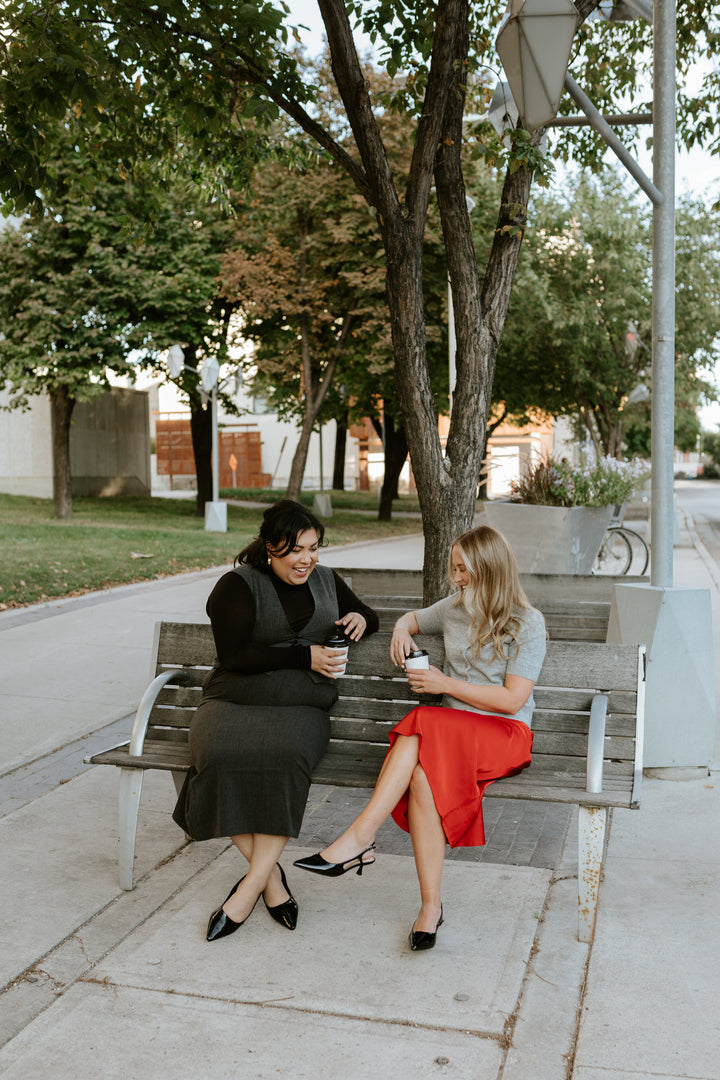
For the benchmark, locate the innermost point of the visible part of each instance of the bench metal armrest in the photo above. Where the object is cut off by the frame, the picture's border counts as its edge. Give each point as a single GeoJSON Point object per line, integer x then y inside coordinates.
{"type": "Point", "coordinates": [142, 716]}
{"type": "Point", "coordinates": [596, 744]}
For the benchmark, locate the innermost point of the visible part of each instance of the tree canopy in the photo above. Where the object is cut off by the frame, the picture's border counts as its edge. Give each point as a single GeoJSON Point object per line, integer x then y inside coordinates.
{"type": "Point", "coordinates": [81, 297]}
{"type": "Point", "coordinates": [583, 284]}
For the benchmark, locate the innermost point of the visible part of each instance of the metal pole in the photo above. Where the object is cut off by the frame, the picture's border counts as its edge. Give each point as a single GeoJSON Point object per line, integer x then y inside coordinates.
{"type": "Point", "coordinates": [663, 308]}
{"type": "Point", "coordinates": [216, 447]}
{"type": "Point", "coordinates": [601, 125]}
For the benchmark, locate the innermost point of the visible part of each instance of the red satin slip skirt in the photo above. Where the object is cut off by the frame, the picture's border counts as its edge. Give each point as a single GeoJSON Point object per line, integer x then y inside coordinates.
{"type": "Point", "coordinates": [461, 753]}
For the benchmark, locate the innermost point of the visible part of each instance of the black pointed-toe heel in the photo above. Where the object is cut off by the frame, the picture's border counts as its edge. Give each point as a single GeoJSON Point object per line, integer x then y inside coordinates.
{"type": "Point", "coordinates": [317, 865]}
{"type": "Point", "coordinates": [425, 939]}
{"type": "Point", "coordinates": [286, 913]}
{"type": "Point", "coordinates": [220, 924]}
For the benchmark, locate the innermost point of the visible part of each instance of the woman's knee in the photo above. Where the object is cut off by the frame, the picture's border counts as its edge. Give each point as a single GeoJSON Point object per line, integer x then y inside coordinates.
{"type": "Point", "coordinates": [419, 783]}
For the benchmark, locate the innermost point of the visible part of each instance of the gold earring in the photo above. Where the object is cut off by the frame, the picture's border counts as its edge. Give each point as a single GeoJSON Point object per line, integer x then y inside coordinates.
{"type": "Point", "coordinates": [269, 561]}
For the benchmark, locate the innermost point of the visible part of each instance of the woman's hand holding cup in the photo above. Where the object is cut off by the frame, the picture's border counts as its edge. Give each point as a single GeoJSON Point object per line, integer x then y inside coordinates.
{"type": "Point", "coordinates": [327, 661]}
{"type": "Point", "coordinates": [401, 645]}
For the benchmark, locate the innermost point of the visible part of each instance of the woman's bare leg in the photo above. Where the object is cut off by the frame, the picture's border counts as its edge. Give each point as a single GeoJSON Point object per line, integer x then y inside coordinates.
{"type": "Point", "coordinates": [274, 892]}
{"type": "Point", "coordinates": [428, 840]}
{"type": "Point", "coordinates": [392, 783]}
{"type": "Point", "coordinates": [263, 852]}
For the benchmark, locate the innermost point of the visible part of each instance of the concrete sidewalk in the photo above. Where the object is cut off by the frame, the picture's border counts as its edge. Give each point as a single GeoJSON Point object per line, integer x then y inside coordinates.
{"type": "Point", "coordinates": [101, 983]}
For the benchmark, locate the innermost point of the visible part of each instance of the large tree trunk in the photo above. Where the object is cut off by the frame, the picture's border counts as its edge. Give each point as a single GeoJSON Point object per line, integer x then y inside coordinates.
{"type": "Point", "coordinates": [201, 431]}
{"type": "Point", "coordinates": [446, 483]}
{"type": "Point", "coordinates": [61, 410]}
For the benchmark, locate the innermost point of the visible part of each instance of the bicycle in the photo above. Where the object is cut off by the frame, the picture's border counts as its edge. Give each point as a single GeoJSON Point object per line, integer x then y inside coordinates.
{"type": "Point", "coordinates": [618, 549]}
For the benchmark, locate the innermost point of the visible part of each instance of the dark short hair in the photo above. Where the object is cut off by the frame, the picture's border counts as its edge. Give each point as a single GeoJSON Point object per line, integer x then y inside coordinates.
{"type": "Point", "coordinates": [281, 525]}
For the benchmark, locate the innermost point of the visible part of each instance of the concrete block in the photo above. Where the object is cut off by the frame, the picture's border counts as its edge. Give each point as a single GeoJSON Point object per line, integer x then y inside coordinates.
{"type": "Point", "coordinates": [676, 626]}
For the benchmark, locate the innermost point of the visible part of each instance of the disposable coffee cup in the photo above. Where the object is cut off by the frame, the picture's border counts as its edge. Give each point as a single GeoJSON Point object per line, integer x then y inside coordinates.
{"type": "Point", "coordinates": [417, 660]}
{"type": "Point", "coordinates": [338, 642]}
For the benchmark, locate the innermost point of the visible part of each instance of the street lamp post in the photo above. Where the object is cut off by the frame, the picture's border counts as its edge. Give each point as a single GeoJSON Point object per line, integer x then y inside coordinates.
{"type": "Point", "coordinates": [215, 511]}
{"type": "Point", "coordinates": [674, 623]}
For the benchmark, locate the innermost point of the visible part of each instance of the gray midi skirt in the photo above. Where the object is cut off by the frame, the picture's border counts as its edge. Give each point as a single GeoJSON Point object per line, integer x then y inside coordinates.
{"type": "Point", "coordinates": [251, 768]}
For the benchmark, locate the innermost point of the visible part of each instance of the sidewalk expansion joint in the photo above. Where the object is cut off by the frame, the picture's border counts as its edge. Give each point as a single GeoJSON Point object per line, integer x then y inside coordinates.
{"type": "Point", "coordinates": [276, 1004]}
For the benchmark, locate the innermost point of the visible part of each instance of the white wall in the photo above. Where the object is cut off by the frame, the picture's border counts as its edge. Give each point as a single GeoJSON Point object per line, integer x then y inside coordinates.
{"type": "Point", "coordinates": [26, 449]}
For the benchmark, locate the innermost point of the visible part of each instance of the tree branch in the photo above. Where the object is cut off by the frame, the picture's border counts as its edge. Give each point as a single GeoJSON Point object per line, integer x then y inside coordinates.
{"type": "Point", "coordinates": [448, 52]}
{"type": "Point", "coordinates": [324, 139]}
{"type": "Point", "coordinates": [354, 92]}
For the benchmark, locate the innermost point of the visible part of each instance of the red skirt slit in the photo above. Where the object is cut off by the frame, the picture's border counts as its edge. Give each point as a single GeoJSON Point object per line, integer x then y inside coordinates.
{"type": "Point", "coordinates": [461, 753]}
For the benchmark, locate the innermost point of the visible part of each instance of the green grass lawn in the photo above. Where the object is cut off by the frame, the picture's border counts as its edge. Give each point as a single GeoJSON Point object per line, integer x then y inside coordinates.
{"type": "Point", "coordinates": [119, 540]}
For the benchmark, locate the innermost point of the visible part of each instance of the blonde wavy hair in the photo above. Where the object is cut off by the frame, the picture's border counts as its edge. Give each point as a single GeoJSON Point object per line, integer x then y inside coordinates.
{"type": "Point", "coordinates": [493, 597]}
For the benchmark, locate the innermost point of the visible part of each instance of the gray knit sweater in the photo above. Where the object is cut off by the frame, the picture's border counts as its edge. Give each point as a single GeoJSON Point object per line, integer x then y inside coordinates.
{"type": "Point", "coordinates": [524, 659]}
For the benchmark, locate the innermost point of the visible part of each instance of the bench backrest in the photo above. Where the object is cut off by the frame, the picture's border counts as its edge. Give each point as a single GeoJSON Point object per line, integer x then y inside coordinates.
{"type": "Point", "coordinates": [540, 588]}
{"type": "Point", "coordinates": [374, 695]}
{"type": "Point", "coordinates": [566, 620]}
{"type": "Point", "coordinates": [575, 608]}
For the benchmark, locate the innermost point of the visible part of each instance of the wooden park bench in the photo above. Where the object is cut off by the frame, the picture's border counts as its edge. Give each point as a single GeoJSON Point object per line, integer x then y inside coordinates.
{"type": "Point", "coordinates": [588, 727]}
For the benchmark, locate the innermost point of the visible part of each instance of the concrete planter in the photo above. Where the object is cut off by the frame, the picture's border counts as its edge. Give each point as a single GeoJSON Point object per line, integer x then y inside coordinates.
{"type": "Point", "coordinates": [551, 539]}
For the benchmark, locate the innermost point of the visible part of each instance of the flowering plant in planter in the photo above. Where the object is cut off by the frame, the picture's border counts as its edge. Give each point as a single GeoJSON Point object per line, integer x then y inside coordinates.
{"type": "Point", "coordinates": [602, 482]}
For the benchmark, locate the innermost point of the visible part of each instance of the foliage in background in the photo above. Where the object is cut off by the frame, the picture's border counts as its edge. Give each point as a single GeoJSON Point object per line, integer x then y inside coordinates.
{"type": "Point", "coordinates": [584, 277]}
{"type": "Point", "coordinates": [590, 482]}
{"type": "Point", "coordinates": [308, 272]}
{"type": "Point", "coordinates": [81, 296]}
{"type": "Point", "coordinates": [176, 270]}
{"type": "Point", "coordinates": [66, 300]}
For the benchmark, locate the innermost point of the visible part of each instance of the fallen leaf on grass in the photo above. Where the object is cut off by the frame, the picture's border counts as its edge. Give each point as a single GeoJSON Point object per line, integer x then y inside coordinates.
{"type": "Point", "coordinates": [139, 555]}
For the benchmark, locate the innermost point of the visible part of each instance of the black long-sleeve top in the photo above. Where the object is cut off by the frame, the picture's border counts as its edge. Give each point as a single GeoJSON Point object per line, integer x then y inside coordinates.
{"type": "Point", "coordinates": [231, 608]}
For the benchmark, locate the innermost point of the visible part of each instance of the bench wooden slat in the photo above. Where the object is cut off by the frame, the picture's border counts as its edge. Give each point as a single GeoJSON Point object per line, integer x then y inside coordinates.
{"type": "Point", "coordinates": [359, 769]}
{"type": "Point", "coordinates": [569, 744]}
{"type": "Point", "coordinates": [157, 754]}
{"type": "Point", "coordinates": [576, 618]}
{"type": "Point", "coordinates": [556, 697]}
{"type": "Point", "coordinates": [559, 763]}
{"type": "Point", "coordinates": [177, 718]}
{"type": "Point", "coordinates": [179, 696]}
{"type": "Point", "coordinates": [512, 788]}
{"type": "Point", "coordinates": [582, 665]}
{"type": "Point", "coordinates": [617, 724]}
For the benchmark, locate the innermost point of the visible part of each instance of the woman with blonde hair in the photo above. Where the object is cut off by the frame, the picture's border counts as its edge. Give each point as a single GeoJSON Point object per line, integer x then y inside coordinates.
{"type": "Point", "coordinates": [442, 758]}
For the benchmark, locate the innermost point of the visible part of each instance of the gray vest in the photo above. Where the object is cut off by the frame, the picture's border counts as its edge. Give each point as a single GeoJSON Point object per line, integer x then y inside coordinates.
{"type": "Point", "coordinates": [271, 624]}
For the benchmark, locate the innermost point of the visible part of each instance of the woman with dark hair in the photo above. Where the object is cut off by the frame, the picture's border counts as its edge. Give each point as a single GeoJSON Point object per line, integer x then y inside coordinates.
{"type": "Point", "coordinates": [263, 723]}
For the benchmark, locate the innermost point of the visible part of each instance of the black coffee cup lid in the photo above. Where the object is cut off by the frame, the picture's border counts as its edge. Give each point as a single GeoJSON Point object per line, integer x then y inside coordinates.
{"type": "Point", "coordinates": [416, 653]}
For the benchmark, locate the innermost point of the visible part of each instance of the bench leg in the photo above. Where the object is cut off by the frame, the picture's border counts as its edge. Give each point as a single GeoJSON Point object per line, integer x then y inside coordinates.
{"type": "Point", "coordinates": [131, 781]}
{"type": "Point", "coordinates": [591, 841]}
